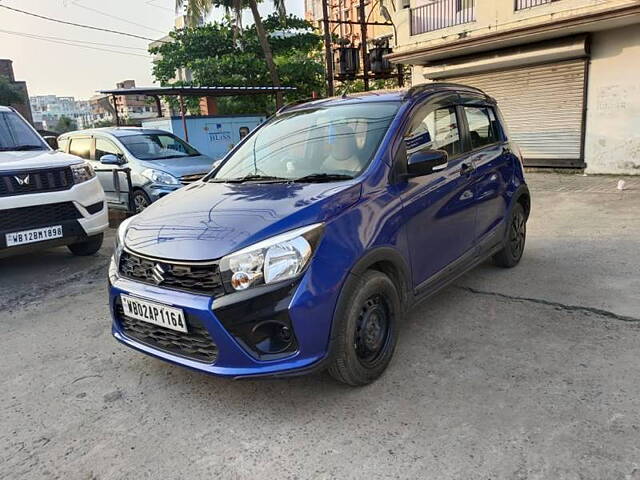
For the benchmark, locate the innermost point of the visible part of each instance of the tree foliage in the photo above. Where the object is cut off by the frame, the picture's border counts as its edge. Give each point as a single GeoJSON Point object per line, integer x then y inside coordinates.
{"type": "Point", "coordinates": [9, 94]}
{"type": "Point", "coordinates": [214, 59]}
{"type": "Point", "coordinates": [65, 124]}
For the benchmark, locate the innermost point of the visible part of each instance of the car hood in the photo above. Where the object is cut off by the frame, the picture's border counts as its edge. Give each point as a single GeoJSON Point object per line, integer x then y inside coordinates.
{"type": "Point", "coordinates": [36, 159]}
{"type": "Point", "coordinates": [206, 221]}
{"type": "Point", "coordinates": [182, 166]}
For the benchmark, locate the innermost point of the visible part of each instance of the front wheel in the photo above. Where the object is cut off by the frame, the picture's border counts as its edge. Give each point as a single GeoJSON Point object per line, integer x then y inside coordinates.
{"type": "Point", "coordinates": [140, 200]}
{"type": "Point", "coordinates": [88, 246]}
{"type": "Point", "coordinates": [366, 329]}
{"type": "Point", "coordinates": [513, 249]}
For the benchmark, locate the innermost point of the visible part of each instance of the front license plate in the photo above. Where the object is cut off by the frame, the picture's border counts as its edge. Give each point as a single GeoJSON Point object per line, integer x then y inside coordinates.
{"type": "Point", "coordinates": [156, 313]}
{"type": "Point", "coordinates": [33, 236]}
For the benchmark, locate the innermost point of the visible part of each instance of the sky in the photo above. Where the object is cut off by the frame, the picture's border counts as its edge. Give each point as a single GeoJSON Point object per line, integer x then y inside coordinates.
{"type": "Point", "coordinates": [53, 68]}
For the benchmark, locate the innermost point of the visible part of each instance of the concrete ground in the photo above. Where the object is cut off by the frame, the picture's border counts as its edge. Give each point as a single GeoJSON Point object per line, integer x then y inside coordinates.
{"type": "Point", "coordinates": [530, 373]}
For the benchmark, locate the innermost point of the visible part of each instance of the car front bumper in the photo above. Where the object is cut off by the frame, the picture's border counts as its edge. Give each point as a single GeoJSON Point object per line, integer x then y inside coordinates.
{"type": "Point", "coordinates": [86, 223]}
{"type": "Point", "coordinates": [227, 319]}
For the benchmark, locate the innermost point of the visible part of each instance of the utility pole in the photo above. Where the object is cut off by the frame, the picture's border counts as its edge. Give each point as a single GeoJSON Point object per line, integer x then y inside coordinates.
{"type": "Point", "coordinates": [327, 47]}
{"type": "Point", "coordinates": [363, 44]}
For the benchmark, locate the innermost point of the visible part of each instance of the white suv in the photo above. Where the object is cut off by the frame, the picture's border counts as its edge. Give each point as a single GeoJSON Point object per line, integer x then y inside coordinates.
{"type": "Point", "coordinates": [47, 198]}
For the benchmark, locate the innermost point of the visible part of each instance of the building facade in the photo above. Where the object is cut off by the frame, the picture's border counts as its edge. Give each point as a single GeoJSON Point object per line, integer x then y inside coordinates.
{"type": "Point", "coordinates": [47, 110]}
{"type": "Point", "coordinates": [566, 73]}
{"type": "Point", "coordinates": [134, 107]}
{"type": "Point", "coordinates": [347, 10]}
{"type": "Point", "coordinates": [6, 70]}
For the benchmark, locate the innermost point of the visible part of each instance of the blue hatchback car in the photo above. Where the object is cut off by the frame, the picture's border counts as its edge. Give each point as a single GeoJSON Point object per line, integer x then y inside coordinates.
{"type": "Point", "coordinates": [303, 249]}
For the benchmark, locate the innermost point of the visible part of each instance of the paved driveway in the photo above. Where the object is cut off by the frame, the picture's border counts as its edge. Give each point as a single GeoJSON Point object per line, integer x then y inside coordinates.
{"type": "Point", "coordinates": [531, 373]}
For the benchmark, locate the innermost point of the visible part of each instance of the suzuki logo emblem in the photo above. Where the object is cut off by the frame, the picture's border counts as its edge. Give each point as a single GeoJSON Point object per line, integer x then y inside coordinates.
{"type": "Point", "coordinates": [22, 181]}
{"type": "Point", "coordinates": [158, 274]}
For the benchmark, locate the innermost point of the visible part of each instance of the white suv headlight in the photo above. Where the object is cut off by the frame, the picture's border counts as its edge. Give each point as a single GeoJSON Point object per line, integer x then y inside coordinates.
{"type": "Point", "coordinates": [158, 176]}
{"type": "Point", "coordinates": [276, 259]}
{"type": "Point", "coordinates": [82, 172]}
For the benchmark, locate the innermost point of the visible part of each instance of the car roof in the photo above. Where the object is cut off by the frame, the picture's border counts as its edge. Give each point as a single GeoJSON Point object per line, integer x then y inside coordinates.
{"type": "Point", "coordinates": [117, 131]}
{"type": "Point", "coordinates": [5, 109]}
{"type": "Point", "coordinates": [395, 95]}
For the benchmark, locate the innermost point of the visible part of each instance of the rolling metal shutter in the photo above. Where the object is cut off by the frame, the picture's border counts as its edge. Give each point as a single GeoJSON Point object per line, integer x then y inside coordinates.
{"type": "Point", "coordinates": [543, 108]}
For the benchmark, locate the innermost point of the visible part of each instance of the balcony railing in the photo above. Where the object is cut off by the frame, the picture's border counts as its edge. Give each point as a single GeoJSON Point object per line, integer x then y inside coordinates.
{"type": "Point", "coordinates": [524, 4]}
{"type": "Point", "coordinates": [441, 14]}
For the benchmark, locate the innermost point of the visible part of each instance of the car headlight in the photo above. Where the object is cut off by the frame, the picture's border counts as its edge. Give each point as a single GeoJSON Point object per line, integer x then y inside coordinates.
{"type": "Point", "coordinates": [276, 259]}
{"type": "Point", "coordinates": [117, 251]}
{"type": "Point", "coordinates": [158, 176]}
{"type": "Point", "coordinates": [82, 172]}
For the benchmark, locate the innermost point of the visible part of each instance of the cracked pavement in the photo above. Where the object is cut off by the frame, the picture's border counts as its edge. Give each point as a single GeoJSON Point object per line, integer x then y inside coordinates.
{"type": "Point", "coordinates": [530, 373]}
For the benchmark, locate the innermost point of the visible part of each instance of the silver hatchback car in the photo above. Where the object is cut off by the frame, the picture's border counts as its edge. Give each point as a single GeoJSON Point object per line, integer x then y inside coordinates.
{"type": "Point", "coordinates": [158, 161]}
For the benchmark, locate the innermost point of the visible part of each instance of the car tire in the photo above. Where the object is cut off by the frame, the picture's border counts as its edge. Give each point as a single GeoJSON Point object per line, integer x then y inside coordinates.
{"type": "Point", "coordinates": [365, 332]}
{"type": "Point", "coordinates": [140, 200]}
{"type": "Point", "coordinates": [87, 247]}
{"type": "Point", "coordinates": [515, 239]}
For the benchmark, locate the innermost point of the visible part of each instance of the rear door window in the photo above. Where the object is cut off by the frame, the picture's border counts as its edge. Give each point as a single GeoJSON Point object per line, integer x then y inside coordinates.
{"type": "Point", "coordinates": [482, 126]}
{"type": "Point", "coordinates": [81, 147]}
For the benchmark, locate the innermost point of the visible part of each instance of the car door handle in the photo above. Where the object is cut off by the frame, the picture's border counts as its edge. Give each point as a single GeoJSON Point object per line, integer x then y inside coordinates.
{"type": "Point", "coordinates": [466, 169]}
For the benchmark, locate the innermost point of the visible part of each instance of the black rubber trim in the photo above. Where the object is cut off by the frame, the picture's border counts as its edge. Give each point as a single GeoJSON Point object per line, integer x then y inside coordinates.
{"type": "Point", "coordinates": [95, 208]}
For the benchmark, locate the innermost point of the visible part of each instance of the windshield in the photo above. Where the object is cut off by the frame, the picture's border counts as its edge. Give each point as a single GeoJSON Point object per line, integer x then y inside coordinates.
{"type": "Point", "coordinates": [329, 143]}
{"type": "Point", "coordinates": [15, 134]}
{"type": "Point", "coordinates": [157, 146]}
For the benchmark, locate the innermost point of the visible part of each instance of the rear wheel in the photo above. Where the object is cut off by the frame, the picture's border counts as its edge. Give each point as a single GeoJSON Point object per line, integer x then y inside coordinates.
{"type": "Point", "coordinates": [87, 247]}
{"type": "Point", "coordinates": [513, 248]}
{"type": "Point", "coordinates": [366, 329]}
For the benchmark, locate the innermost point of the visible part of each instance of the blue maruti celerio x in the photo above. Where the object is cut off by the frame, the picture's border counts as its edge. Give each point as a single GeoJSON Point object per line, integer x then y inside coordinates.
{"type": "Point", "coordinates": [304, 248]}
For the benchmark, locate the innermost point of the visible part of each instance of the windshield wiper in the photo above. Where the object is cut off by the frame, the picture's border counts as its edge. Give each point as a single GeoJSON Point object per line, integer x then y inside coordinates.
{"type": "Point", "coordinates": [23, 148]}
{"type": "Point", "coordinates": [250, 178]}
{"type": "Point", "coordinates": [323, 177]}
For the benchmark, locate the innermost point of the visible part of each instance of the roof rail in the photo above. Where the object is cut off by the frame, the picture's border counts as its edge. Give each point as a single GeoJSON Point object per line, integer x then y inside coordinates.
{"type": "Point", "coordinates": [424, 87]}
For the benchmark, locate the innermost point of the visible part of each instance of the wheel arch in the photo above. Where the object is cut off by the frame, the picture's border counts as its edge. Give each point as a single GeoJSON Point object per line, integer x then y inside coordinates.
{"type": "Point", "coordinates": [523, 197]}
{"type": "Point", "coordinates": [389, 261]}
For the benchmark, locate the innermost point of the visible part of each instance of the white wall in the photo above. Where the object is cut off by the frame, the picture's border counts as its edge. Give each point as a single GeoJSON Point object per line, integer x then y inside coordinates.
{"type": "Point", "coordinates": [612, 143]}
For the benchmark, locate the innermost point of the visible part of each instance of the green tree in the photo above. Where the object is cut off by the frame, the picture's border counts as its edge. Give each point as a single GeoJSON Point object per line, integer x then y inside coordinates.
{"type": "Point", "coordinates": [65, 124]}
{"type": "Point", "coordinates": [213, 58]}
{"type": "Point", "coordinates": [198, 9]}
{"type": "Point", "coordinates": [9, 94]}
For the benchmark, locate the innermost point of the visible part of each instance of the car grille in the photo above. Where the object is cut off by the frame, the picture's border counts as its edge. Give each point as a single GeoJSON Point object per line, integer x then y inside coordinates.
{"type": "Point", "coordinates": [202, 279]}
{"type": "Point", "coordinates": [197, 344]}
{"type": "Point", "coordinates": [35, 181]}
{"type": "Point", "coordinates": [187, 179]}
{"type": "Point", "coordinates": [37, 216]}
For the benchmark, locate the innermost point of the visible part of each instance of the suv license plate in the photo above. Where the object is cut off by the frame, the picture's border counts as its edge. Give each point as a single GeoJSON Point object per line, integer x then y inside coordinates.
{"type": "Point", "coordinates": [155, 313]}
{"type": "Point", "coordinates": [33, 236]}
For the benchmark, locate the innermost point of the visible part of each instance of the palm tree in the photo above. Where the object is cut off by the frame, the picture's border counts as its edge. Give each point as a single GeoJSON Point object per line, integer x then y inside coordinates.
{"type": "Point", "coordinates": [198, 9]}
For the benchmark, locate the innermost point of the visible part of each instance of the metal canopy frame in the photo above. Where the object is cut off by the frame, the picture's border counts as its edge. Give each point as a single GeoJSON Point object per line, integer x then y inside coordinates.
{"type": "Point", "coordinates": [188, 91]}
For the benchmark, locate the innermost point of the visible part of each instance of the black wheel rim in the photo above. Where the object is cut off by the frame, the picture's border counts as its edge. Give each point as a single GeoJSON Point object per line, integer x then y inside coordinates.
{"type": "Point", "coordinates": [517, 235]}
{"type": "Point", "coordinates": [372, 330]}
{"type": "Point", "coordinates": [140, 202]}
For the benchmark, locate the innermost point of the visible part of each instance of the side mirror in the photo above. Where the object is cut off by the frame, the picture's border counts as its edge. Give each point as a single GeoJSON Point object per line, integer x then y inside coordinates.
{"type": "Point", "coordinates": [51, 141]}
{"type": "Point", "coordinates": [110, 159]}
{"type": "Point", "coordinates": [424, 162]}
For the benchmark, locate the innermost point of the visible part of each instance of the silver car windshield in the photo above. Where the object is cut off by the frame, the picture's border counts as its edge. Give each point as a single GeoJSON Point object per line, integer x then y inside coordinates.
{"type": "Point", "coordinates": [157, 146]}
{"type": "Point", "coordinates": [332, 143]}
{"type": "Point", "coordinates": [15, 134]}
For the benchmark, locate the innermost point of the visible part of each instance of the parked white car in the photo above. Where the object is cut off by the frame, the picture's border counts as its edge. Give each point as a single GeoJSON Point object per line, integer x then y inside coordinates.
{"type": "Point", "coordinates": [47, 198]}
